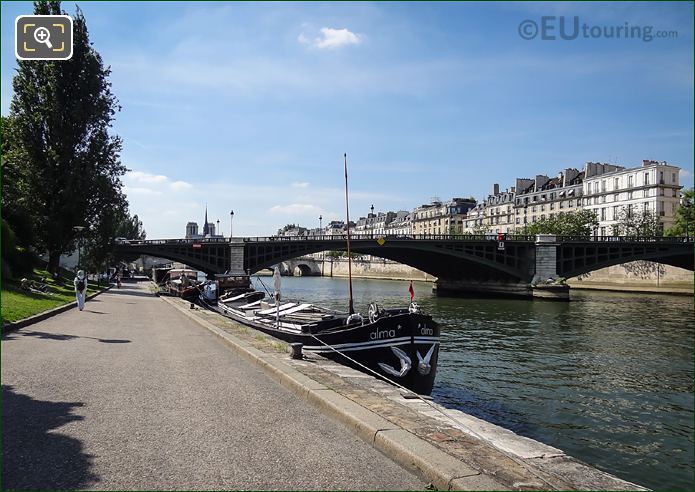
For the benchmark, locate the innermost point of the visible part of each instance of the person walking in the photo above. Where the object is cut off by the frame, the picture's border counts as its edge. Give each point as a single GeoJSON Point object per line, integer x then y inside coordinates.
{"type": "Point", "coordinates": [80, 289]}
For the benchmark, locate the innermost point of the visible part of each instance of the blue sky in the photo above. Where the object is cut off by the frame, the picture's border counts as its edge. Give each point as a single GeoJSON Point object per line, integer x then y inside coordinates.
{"type": "Point", "coordinates": [250, 106]}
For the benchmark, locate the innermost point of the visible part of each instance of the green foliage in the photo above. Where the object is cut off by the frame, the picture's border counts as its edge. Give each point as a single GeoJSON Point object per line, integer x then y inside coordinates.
{"type": "Point", "coordinates": [16, 259]}
{"type": "Point", "coordinates": [65, 166]}
{"type": "Point", "coordinates": [638, 223]}
{"type": "Point", "coordinates": [685, 217]}
{"type": "Point", "coordinates": [18, 304]}
{"type": "Point", "coordinates": [579, 223]}
{"type": "Point", "coordinates": [15, 198]}
{"type": "Point", "coordinates": [479, 229]}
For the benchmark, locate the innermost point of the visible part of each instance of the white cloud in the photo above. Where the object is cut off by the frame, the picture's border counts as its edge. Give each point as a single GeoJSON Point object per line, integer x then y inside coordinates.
{"type": "Point", "coordinates": [303, 39]}
{"type": "Point", "coordinates": [143, 177]}
{"type": "Point", "coordinates": [685, 173]}
{"type": "Point", "coordinates": [331, 38]}
{"type": "Point", "coordinates": [181, 185]}
{"type": "Point", "coordinates": [300, 184]}
{"type": "Point", "coordinates": [295, 208]}
{"type": "Point", "coordinates": [129, 190]}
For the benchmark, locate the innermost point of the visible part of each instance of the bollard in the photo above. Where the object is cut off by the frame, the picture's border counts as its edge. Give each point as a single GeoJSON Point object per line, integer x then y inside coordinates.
{"type": "Point", "coordinates": [296, 350]}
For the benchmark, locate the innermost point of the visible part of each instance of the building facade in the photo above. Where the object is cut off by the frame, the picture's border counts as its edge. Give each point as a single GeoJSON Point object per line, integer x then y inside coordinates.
{"type": "Point", "coordinates": [544, 198]}
{"type": "Point", "coordinates": [498, 210]}
{"type": "Point", "coordinates": [438, 217]}
{"type": "Point", "coordinates": [400, 225]}
{"type": "Point", "coordinates": [653, 187]}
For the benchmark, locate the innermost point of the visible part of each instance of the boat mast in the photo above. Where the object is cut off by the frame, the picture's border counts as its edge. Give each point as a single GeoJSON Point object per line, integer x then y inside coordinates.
{"type": "Point", "coordinates": [351, 309]}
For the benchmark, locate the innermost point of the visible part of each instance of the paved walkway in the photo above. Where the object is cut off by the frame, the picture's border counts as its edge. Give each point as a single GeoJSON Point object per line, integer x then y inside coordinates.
{"type": "Point", "coordinates": [130, 394]}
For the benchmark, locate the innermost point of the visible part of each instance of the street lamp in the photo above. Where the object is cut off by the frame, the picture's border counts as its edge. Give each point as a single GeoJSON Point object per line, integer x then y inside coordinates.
{"type": "Point", "coordinates": [320, 225]}
{"type": "Point", "coordinates": [218, 227]}
{"type": "Point", "coordinates": [78, 230]}
{"type": "Point", "coordinates": [231, 224]}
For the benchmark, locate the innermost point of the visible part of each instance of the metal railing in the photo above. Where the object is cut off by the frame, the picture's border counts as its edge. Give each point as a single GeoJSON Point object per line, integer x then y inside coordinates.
{"type": "Point", "coordinates": [624, 239]}
{"type": "Point", "coordinates": [410, 237]}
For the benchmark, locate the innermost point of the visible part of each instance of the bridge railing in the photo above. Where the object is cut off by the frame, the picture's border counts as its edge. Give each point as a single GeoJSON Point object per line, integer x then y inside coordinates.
{"type": "Point", "coordinates": [410, 237]}
{"type": "Point", "coordinates": [392, 237]}
{"type": "Point", "coordinates": [624, 239]}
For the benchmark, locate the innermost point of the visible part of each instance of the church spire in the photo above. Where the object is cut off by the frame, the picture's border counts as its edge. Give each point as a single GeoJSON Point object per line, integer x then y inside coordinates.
{"type": "Point", "coordinates": [206, 228]}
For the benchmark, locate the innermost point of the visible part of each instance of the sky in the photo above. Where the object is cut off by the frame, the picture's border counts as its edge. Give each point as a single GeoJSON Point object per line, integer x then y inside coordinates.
{"type": "Point", "coordinates": [250, 106]}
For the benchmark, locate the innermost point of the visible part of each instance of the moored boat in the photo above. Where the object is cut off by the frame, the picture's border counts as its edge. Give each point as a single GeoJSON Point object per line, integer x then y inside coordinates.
{"type": "Point", "coordinates": [181, 282]}
{"type": "Point", "coordinates": [400, 345]}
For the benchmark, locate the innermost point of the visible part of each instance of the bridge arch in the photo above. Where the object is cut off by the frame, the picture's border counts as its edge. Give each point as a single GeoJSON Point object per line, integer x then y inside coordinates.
{"type": "Point", "coordinates": [438, 258]}
{"type": "Point", "coordinates": [209, 260]}
{"type": "Point", "coordinates": [578, 258]}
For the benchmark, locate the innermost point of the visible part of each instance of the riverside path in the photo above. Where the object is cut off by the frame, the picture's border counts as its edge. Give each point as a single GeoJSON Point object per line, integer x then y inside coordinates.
{"type": "Point", "coordinates": [130, 394]}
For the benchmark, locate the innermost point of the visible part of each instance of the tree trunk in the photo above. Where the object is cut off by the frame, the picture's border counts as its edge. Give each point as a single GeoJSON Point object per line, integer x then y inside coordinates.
{"type": "Point", "coordinates": [53, 261]}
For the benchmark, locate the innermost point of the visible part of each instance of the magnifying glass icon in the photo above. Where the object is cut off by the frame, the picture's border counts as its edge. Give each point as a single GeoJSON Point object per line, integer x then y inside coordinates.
{"type": "Point", "coordinates": [43, 35]}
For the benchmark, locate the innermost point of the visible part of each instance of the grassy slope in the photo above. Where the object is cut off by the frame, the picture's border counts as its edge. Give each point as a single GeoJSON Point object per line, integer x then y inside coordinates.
{"type": "Point", "coordinates": [18, 304]}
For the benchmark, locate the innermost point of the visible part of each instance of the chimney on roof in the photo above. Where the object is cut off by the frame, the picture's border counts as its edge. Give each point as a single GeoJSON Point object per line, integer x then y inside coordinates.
{"type": "Point", "coordinates": [568, 175]}
{"type": "Point", "coordinates": [495, 189]}
{"type": "Point", "coordinates": [541, 179]}
{"type": "Point", "coordinates": [522, 184]}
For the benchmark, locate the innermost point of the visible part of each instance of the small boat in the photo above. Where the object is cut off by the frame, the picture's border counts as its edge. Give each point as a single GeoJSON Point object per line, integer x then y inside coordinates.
{"type": "Point", "coordinates": [181, 282]}
{"type": "Point", "coordinates": [400, 345]}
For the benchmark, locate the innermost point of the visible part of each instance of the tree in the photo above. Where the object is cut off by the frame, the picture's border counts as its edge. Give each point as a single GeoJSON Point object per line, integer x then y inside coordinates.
{"type": "Point", "coordinates": [14, 198]}
{"type": "Point", "coordinates": [638, 223]}
{"type": "Point", "coordinates": [579, 223]}
{"type": "Point", "coordinates": [479, 229]}
{"type": "Point", "coordinates": [685, 215]}
{"type": "Point", "coordinates": [62, 112]}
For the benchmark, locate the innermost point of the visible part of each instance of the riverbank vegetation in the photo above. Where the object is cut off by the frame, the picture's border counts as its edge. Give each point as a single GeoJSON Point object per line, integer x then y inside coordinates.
{"type": "Point", "coordinates": [18, 303]}
{"type": "Point", "coordinates": [61, 166]}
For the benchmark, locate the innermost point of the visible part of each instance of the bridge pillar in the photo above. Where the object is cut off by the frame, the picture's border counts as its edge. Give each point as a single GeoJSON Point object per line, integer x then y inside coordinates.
{"type": "Point", "coordinates": [544, 284]}
{"type": "Point", "coordinates": [236, 257]}
{"type": "Point", "coordinates": [470, 287]}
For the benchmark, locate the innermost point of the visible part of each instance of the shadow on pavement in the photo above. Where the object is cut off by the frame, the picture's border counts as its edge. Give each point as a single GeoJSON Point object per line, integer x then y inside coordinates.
{"type": "Point", "coordinates": [33, 457]}
{"type": "Point", "coordinates": [131, 292]}
{"type": "Point", "coordinates": [55, 336]}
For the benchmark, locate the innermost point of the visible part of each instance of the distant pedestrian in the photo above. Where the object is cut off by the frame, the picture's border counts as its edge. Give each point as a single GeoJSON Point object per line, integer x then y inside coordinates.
{"type": "Point", "coordinates": [80, 289]}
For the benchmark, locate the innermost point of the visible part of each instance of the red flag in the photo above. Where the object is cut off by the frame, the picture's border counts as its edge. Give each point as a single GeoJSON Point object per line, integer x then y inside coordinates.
{"type": "Point", "coordinates": [412, 292]}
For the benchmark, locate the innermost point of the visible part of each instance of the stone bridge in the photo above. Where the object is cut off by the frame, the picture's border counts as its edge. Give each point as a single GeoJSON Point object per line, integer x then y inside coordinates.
{"type": "Point", "coordinates": [517, 265]}
{"type": "Point", "coordinates": [304, 266]}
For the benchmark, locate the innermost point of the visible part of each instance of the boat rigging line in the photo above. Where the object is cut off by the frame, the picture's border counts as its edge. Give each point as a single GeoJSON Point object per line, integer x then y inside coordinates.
{"type": "Point", "coordinates": [264, 287]}
{"type": "Point", "coordinates": [457, 424]}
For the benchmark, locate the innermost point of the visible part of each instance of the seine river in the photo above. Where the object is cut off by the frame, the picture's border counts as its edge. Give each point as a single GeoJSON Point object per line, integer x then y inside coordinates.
{"type": "Point", "coordinates": [607, 378]}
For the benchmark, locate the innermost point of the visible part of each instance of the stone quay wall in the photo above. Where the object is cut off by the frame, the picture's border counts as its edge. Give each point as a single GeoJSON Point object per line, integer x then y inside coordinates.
{"type": "Point", "coordinates": [636, 276]}
{"type": "Point", "coordinates": [374, 268]}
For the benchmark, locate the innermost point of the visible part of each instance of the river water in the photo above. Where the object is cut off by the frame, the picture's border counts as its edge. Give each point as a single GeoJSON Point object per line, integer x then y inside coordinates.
{"type": "Point", "coordinates": [607, 377]}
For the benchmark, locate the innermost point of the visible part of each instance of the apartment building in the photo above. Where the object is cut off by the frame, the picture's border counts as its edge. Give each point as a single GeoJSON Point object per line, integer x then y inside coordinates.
{"type": "Point", "coordinates": [498, 216]}
{"type": "Point", "coordinates": [400, 225]}
{"type": "Point", "coordinates": [475, 219]}
{"type": "Point", "coordinates": [653, 187]}
{"type": "Point", "coordinates": [439, 217]}
{"type": "Point", "coordinates": [543, 197]}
